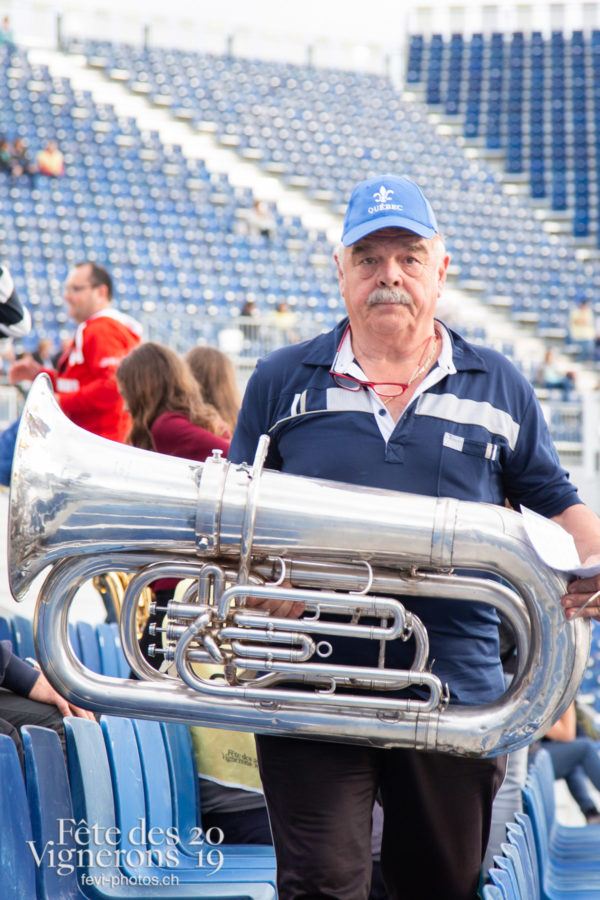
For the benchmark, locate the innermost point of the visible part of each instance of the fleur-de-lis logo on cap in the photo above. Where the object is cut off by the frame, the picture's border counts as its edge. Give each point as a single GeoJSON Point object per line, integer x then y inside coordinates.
{"type": "Point", "coordinates": [382, 195]}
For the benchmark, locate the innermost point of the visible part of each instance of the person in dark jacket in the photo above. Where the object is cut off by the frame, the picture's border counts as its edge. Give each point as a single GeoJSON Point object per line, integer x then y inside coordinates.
{"type": "Point", "coordinates": [28, 698]}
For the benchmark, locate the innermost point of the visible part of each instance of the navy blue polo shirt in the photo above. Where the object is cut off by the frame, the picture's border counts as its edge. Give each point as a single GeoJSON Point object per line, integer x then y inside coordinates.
{"type": "Point", "coordinates": [473, 431]}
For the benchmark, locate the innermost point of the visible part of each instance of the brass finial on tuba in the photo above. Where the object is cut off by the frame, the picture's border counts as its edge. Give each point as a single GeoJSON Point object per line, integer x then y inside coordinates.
{"type": "Point", "coordinates": [85, 505]}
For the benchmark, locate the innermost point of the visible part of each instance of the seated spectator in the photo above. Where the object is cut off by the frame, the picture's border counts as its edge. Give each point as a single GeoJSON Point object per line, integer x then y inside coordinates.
{"type": "Point", "coordinates": [260, 220]}
{"type": "Point", "coordinates": [5, 156]}
{"type": "Point", "coordinates": [169, 415]}
{"type": "Point", "coordinates": [21, 164]}
{"type": "Point", "coordinates": [28, 698]}
{"type": "Point", "coordinates": [168, 412]}
{"type": "Point", "coordinates": [285, 320]}
{"type": "Point", "coordinates": [44, 353]}
{"type": "Point", "coordinates": [574, 758]}
{"type": "Point", "coordinates": [50, 160]}
{"type": "Point", "coordinates": [551, 378]}
{"type": "Point", "coordinates": [7, 37]}
{"type": "Point", "coordinates": [249, 324]}
{"type": "Point", "coordinates": [215, 373]}
{"type": "Point", "coordinates": [582, 329]}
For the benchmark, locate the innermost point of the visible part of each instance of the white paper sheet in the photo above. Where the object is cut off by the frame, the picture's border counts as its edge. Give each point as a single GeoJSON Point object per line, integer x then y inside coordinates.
{"type": "Point", "coordinates": [554, 545]}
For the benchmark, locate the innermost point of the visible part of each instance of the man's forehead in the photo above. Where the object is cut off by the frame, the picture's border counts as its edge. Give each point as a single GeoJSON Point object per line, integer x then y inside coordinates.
{"type": "Point", "coordinates": [79, 272]}
{"type": "Point", "coordinates": [390, 235]}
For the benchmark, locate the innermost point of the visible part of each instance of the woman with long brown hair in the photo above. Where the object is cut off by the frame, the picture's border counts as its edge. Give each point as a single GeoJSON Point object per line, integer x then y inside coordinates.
{"type": "Point", "coordinates": [170, 415]}
{"type": "Point", "coordinates": [214, 372]}
{"type": "Point", "coordinates": [167, 409]}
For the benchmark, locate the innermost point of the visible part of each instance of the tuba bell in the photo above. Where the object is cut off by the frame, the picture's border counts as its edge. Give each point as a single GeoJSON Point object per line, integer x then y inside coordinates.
{"type": "Point", "coordinates": [84, 506]}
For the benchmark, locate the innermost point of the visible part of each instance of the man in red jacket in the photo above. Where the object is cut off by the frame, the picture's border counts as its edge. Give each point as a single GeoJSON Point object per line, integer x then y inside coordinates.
{"type": "Point", "coordinates": [84, 379]}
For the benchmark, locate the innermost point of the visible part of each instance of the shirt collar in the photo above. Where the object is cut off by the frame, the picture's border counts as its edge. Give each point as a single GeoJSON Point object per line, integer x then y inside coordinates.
{"type": "Point", "coordinates": [456, 355]}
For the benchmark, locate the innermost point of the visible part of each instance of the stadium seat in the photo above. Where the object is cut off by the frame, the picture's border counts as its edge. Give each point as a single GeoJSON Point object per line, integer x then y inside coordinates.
{"type": "Point", "coordinates": [23, 637]}
{"type": "Point", "coordinates": [17, 866]}
{"type": "Point", "coordinates": [144, 793]}
{"type": "Point", "coordinates": [95, 802]}
{"type": "Point", "coordinates": [185, 796]}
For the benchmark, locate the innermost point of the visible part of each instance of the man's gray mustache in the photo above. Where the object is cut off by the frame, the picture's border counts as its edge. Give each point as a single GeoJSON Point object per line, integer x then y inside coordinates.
{"type": "Point", "coordinates": [388, 295]}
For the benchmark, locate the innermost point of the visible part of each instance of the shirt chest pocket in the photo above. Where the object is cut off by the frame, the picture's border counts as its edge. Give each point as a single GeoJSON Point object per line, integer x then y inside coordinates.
{"type": "Point", "coordinates": [470, 470]}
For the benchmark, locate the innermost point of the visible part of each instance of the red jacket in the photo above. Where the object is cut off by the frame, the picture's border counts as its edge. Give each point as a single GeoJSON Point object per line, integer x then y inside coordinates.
{"type": "Point", "coordinates": [85, 380]}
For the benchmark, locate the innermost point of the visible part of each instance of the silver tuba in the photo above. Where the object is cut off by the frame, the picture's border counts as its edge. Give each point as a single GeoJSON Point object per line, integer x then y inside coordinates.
{"type": "Point", "coordinates": [83, 506]}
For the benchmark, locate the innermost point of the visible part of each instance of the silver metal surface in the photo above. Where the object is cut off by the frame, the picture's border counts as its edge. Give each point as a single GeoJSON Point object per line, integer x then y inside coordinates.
{"type": "Point", "coordinates": [84, 505]}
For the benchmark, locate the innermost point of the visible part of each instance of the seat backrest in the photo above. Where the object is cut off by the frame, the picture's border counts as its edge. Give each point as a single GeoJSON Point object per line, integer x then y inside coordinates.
{"type": "Point", "coordinates": [90, 652]}
{"type": "Point", "coordinates": [521, 834]}
{"type": "Point", "coordinates": [23, 637]}
{"type": "Point", "coordinates": [92, 792]}
{"type": "Point", "coordinates": [512, 884]}
{"type": "Point", "coordinates": [522, 867]}
{"type": "Point", "coordinates": [543, 768]}
{"type": "Point", "coordinates": [74, 640]}
{"type": "Point", "coordinates": [492, 892]}
{"type": "Point", "coordinates": [500, 878]}
{"type": "Point", "coordinates": [110, 650]}
{"type": "Point", "coordinates": [523, 820]}
{"type": "Point", "coordinates": [127, 780]}
{"type": "Point", "coordinates": [183, 775]}
{"type": "Point", "coordinates": [6, 632]}
{"type": "Point", "coordinates": [155, 774]}
{"type": "Point", "coordinates": [51, 811]}
{"type": "Point", "coordinates": [17, 866]}
{"type": "Point", "coordinates": [532, 805]}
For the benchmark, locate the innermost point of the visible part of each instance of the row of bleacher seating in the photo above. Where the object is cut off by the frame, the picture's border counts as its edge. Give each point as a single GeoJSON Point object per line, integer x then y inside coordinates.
{"type": "Point", "coordinates": [542, 858]}
{"type": "Point", "coordinates": [535, 98]}
{"type": "Point", "coordinates": [134, 783]}
{"type": "Point", "coordinates": [124, 772]}
{"type": "Point", "coordinates": [495, 239]}
{"type": "Point", "coordinates": [97, 646]}
{"type": "Point", "coordinates": [174, 235]}
{"type": "Point", "coordinates": [120, 824]}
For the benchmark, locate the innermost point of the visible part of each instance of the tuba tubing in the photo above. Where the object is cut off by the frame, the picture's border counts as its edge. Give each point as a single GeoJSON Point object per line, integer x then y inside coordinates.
{"type": "Point", "coordinates": [138, 509]}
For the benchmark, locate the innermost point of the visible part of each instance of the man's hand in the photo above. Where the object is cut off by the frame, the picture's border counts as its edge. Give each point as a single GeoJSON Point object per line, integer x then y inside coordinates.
{"type": "Point", "coordinates": [43, 692]}
{"type": "Point", "coordinates": [579, 592]}
{"type": "Point", "coordinates": [285, 609]}
{"type": "Point", "coordinates": [24, 369]}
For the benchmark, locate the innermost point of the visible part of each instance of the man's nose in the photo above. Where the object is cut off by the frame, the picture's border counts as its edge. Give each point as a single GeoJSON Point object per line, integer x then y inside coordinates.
{"type": "Point", "coordinates": [389, 274]}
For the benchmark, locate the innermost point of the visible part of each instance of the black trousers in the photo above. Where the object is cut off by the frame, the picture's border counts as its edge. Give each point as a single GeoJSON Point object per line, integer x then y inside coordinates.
{"type": "Point", "coordinates": [16, 711]}
{"type": "Point", "coordinates": [437, 810]}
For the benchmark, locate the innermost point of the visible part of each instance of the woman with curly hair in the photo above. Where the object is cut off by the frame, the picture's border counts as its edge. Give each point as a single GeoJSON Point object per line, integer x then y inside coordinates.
{"type": "Point", "coordinates": [167, 409]}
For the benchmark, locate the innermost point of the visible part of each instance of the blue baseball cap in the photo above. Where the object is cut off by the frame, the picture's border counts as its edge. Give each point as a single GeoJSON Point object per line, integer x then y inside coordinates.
{"type": "Point", "coordinates": [388, 201]}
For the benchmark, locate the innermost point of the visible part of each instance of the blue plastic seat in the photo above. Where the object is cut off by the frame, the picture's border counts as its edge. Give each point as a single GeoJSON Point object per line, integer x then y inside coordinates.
{"type": "Point", "coordinates": [112, 658]}
{"type": "Point", "coordinates": [17, 867]}
{"type": "Point", "coordinates": [559, 878]}
{"type": "Point", "coordinates": [88, 643]}
{"type": "Point", "coordinates": [23, 637]}
{"type": "Point", "coordinates": [49, 800]}
{"type": "Point", "coordinates": [145, 794]}
{"type": "Point", "coordinates": [185, 795]}
{"type": "Point", "coordinates": [492, 892]}
{"type": "Point", "coordinates": [6, 632]}
{"type": "Point", "coordinates": [94, 801]}
{"type": "Point", "coordinates": [572, 842]}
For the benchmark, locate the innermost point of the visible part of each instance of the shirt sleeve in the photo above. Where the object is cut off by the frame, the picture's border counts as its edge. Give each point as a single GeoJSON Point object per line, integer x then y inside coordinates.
{"type": "Point", "coordinates": [254, 420]}
{"type": "Point", "coordinates": [534, 476]}
{"type": "Point", "coordinates": [15, 674]}
{"type": "Point", "coordinates": [103, 349]}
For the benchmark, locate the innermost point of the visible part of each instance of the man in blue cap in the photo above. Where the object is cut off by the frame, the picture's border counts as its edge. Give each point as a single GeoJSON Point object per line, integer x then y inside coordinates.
{"type": "Point", "coordinates": [393, 398]}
